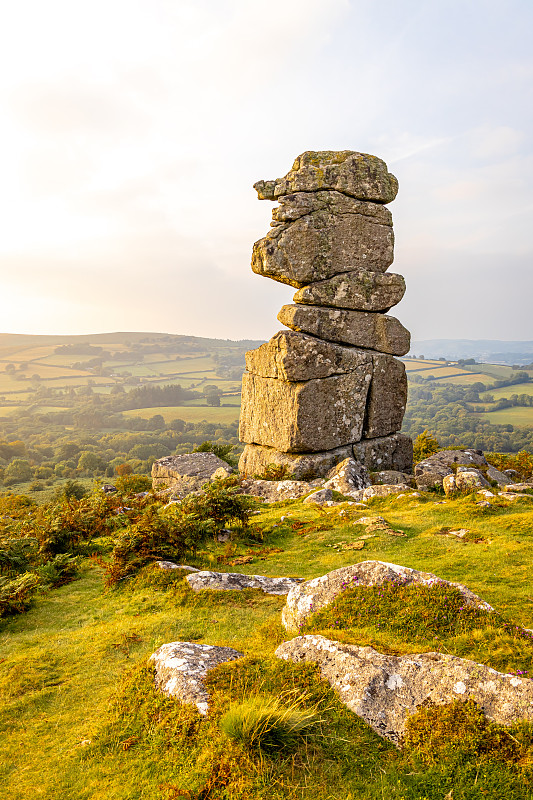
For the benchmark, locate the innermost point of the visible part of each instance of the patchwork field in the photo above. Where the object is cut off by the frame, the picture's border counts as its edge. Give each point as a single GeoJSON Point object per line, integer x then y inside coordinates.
{"type": "Point", "coordinates": [189, 413]}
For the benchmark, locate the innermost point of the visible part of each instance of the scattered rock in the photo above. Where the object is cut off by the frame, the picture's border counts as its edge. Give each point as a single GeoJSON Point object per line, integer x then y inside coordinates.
{"type": "Point", "coordinates": [167, 565]}
{"type": "Point", "coordinates": [494, 474]}
{"type": "Point", "coordinates": [430, 472]}
{"type": "Point", "coordinates": [312, 595]}
{"type": "Point", "coordinates": [187, 473]}
{"type": "Point", "coordinates": [348, 477]}
{"type": "Point", "coordinates": [512, 495]}
{"type": "Point", "coordinates": [236, 582]}
{"type": "Point", "coordinates": [518, 487]}
{"type": "Point", "coordinates": [322, 496]}
{"type": "Point", "coordinates": [108, 488]}
{"type": "Point", "coordinates": [391, 477]}
{"type": "Point", "coordinates": [464, 481]}
{"type": "Point", "coordinates": [180, 669]}
{"type": "Point", "coordinates": [385, 690]}
{"type": "Point", "coordinates": [383, 490]}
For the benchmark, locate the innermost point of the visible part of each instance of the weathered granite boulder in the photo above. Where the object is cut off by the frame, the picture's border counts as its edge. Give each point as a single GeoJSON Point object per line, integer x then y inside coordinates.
{"type": "Point", "coordinates": [236, 582]}
{"type": "Point", "coordinates": [301, 204]}
{"type": "Point", "coordinates": [180, 669]}
{"type": "Point", "coordinates": [387, 397]}
{"type": "Point", "coordinates": [360, 328]}
{"type": "Point", "coordinates": [278, 491]}
{"type": "Point", "coordinates": [302, 467]}
{"type": "Point", "coordinates": [385, 690]}
{"type": "Point", "coordinates": [307, 416]}
{"type": "Point", "coordinates": [166, 566]}
{"type": "Point", "coordinates": [494, 474]}
{"type": "Point", "coordinates": [348, 477]}
{"type": "Point", "coordinates": [518, 487]}
{"type": "Point", "coordinates": [391, 477]}
{"type": "Point", "coordinates": [359, 290]}
{"type": "Point", "coordinates": [430, 472]}
{"type": "Point", "coordinates": [383, 490]}
{"type": "Point", "coordinates": [188, 473]}
{"type": "Point", "coordinates": [324, 495]}
{"type": "Point", "coordinates": [356, 174]}
{"type": "Point", "coordinates": [464, 481]}
{"type": "Point", "coordinates": [387, 452]}
{"type": "Point", "coordinates": [319, 592]}
{"type": "Point", "coordinates": [292, 356]}
{"type": "Point", "coordinates": [324, 243]}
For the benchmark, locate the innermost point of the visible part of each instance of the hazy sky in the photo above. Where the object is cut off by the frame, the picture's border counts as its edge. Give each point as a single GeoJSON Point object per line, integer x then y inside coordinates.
{"type": "Point", "coordinates": [132, 132]}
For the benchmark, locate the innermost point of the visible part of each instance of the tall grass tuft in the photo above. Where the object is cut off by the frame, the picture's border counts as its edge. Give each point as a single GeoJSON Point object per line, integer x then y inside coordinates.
{"type": "Point", "coordinates": [265, 723]}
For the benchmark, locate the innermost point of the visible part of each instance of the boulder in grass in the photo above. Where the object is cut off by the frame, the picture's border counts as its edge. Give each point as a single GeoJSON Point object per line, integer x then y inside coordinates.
{"type": "Point", "coordinates": [236, 581]}
{"type": "Point", "coordinates": [187, 473]}
{"type": "Point", "coordinates": [312, 595]}
{"type": "Point", "coordinates": [385, 690]}
{"type": "Point", "coordinates": [181, 667]}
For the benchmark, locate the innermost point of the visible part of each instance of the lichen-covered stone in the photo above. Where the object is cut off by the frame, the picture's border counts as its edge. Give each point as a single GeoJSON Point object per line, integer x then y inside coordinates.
{"type": "Point", "coordinates": [359, 290]}
{"type": "Point", "coordinates": [359, 328]}
{"type": "Point", "coordinates": [312, 595]}
{"type": "Point", "coordinates": [430, 472]}
{"type": "Point", "coordinates": [464, 481]}
{"type": "Point", "coordinates": [180, 669]}
{"type": "Point", "coordinates": [321, 496]}
{"type": "Point", "coordinates": [188, 472]}
{"type": "Point", "coordinates": [391, 477]}
{"type": "Point", "coordinates": [356, 174]}
{"type": "Point", "coordinates": [307, 416]}
{"type": "Point", "coordinates": [321, 244]}
{"type": "Point", "coordinates": [236, 582]}
{"type": "Point", "coordinates": [348, 477]}
{"type": "Point", "coordinates": [278, 491]}
{"type": "Point", "coordinates": [293, 356]}
{"type": "Point", "coordinates": [302, 467]}
{"type": "Point", "coordinates": [385, 690]}
{"type": "Point", "coordinates": [386, 452]}
{"type": "Point", "coordinates": [387, 397]}
{"type": "Point", "coordinates": [383, 490]}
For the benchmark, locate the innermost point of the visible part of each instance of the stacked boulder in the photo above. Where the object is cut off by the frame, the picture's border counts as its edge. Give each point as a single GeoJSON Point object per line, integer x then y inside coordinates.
{"type": "Point", "coordinates": [330, 388]}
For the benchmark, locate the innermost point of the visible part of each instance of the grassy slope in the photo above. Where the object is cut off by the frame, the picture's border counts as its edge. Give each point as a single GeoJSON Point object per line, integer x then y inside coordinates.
{"type": "Point", "coordinates": [63, 660]}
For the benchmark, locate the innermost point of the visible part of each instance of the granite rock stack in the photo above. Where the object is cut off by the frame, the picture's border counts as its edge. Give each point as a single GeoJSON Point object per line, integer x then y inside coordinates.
{"type": "Point", "coordinates": [330, 387]}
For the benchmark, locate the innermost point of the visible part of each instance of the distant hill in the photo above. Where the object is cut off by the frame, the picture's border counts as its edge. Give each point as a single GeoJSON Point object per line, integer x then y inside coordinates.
{"type": "Point", "coordinates": [488, 351]}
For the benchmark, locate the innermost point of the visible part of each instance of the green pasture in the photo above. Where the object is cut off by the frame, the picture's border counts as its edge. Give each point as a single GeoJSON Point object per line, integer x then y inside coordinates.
{"type": "Point", "coordinates": [508, 391]}
{"type": "Point", "coordinates": [510, 416]}
{"type": "Point", "coordinates": [188, 413]}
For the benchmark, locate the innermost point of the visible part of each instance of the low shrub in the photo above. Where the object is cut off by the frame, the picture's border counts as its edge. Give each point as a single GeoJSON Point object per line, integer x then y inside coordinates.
{"type": "Point", "coordinates": [157, 534]}
{"type": "Point", "coordinates": [59, 570]}
{"type": "Point", "coordinates": [16, 595]}
{"type": "Point", "coordinates": [133, 484]}
{"type": "Point", "coordinates": [460, 731]}
{"type": "Point", "coordinates": [221, 502]}
{"type": "Point", "coordinates": [275, 472]}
